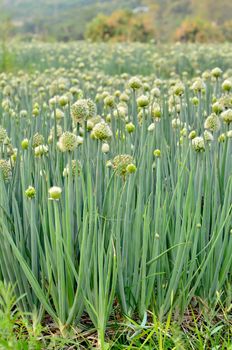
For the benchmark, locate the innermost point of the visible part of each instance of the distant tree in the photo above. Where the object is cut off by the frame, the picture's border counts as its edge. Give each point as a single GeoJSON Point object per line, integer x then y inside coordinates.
{"type": "Point", "coordinates": [197, 30]}
{"type": "Point", "coordinates": [227, 30]}
{"type": "Point", "coordinates": [6, 26]}
{"type": "Point", "coordinates": [120, 26]}
{"type": "Point", "coordinates": [6, 29]}
{"type": "Point", "coordinates": [98, 30]}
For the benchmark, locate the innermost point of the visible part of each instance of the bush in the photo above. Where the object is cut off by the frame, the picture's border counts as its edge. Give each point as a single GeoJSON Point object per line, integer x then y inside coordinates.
{"type": "Point", "coordinates": [196, 30]}
{"type": "Point", "coordinates": [227, 30]}
{"type": "Point", "coordinates": [120, 26]}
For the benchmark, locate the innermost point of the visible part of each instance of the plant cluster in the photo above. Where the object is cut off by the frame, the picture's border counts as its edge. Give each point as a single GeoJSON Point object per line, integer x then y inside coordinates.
{"type": "Point", "coordinates": [115, 190]}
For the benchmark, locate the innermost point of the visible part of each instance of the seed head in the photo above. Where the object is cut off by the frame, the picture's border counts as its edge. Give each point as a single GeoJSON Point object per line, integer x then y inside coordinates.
{"type": "Point", "coordinates": [76, 167]}
{"type": "Point", "coordinates": [227, 85]}
{"type": "Point", "coordinates": [176, 123]}
{"type": "Point", "coordinates": [217, 107]}
{"type": "Point", "coordinates": [135, 83]}
{"type": "Point", "coordinates": [5, 169]}
{"type": "Point", "coordinates": [208, 136]}
{"type": "Point", "coordinates": [41, 150]}
{"type": "Point", "coordinates": [212, 123]}
{"type": "Point", "coordinates": [38, 140]}
{"type": "Point", "coordinates": [124, 97]}
{"type": "Point", "coordinates": [58, 114]}
{"type": "Point", "coordinates": [3, 134]}
{"type": "Point", "coordinates": [121, 111]}
{"type": "Point", "coordinates": [156, 112]}
{"type": "Point", "coordinates": [92, 108]}
{"type": "Point", "coordinates": [226, 101]}
{"type": "Point", "coordinates": [109, 101]}
{"type": "Point", "coordinates": [23, 113]}
{"type": "Point", "coordinates": [178, 89]}
{"type": "Point", "coordinates": [222, 138]}
{"type": "Point", "coordinates": [67, 142]}
{"type": "Point", "coordinates": [142, 101]}
{"type": "Point", "coordinates": [101, 131]}
{"type": "Point", "coordinates": [155, 92]}
{"type": "Point", "coordinates": [227, 116]}
{"type": "Point", "coordinates": [198, 85]}
{"type": "Point", "coordinates": [198, 144]}
{"type": "Point", "coordinates": [58, 132]}
{"type": "Point", "coordinates": [80, 111]}
{"type": "Point", "coordinates": [216, 72]}
{"type": "Point", "coordinates": [121, 162]}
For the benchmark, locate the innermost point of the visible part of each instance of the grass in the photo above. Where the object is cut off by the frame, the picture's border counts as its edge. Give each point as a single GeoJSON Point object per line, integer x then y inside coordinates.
{"type": "Point", "coordinates": [198, 330]}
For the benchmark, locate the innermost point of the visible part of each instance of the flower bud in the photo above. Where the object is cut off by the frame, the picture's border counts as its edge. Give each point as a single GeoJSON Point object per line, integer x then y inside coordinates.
{"type": "Point", "coordinates": [217, 107]}
{"type": "Point", "coordinates": [131, 168]}
{"type": "Point", "coordinates": [63, 100]}
{"type": "Point", "coordinates": [105, 148]}
{"type": "Point", "coordinates": [227, 116]}
{"type": "Point", "coordinates": [216, 72]}
{"type": "Point", "coordinates": [109, 101]}
{"type": "Point", "coordinates": [157, 153]}
{"type": "Point", "coordinates": [151, 127]}
{"type": "Point", "coordinates": [142, 101]}
{"type": "Point", "coordinates": [54, 193]}
{"type": "Point", "coordinates": [24, 144]}
{"type": "Point", "coordinates": [222, 138]}
{"type": "Point", "coordinates": [227, 85]}
{"type": "Point", "coordinates": [130, 127]}
{"type": "Point", "coordinates": [135, 83]}
{"type": "Point", "coordinates": [30, 192]}
{"type": "Point", "coordinates": [195, 101]}
{"type": "Point", "coordinates": [192, 135]}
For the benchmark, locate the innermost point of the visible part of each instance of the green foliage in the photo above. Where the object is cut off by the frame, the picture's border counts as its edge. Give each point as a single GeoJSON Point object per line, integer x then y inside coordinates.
{"type": "Point", "coordinates": [120, 26]}
{"type": "Point", "coordinates": [196, 30]}
{"type": "Point", "coordinates": [227, 30]}
{"type": "Point", "coordinates": [155, 240]}
{"type": "Point", "coordinates": [68, 20]}
{"type": "Point", "coordinates": [16, 332]}
{"type": "Point", "coordinates": [20, 331]}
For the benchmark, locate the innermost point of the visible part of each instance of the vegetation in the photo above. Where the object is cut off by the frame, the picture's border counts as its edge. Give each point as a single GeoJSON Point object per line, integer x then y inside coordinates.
{"type": "Point", "coordinates": [199, 31]}
{"type": "Point", "coordinates": [115, 206]}
{"type": "Point", "coordinates": [120, 26]}
{"type": "Point", "coordinates": [68, 20]}
{"type": "Point", "coordinates": [20, 331]}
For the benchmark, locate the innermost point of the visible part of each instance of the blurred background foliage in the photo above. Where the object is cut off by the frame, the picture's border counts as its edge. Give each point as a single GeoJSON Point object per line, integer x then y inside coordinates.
{"type": "Point", "coordinates": [117, 20]}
